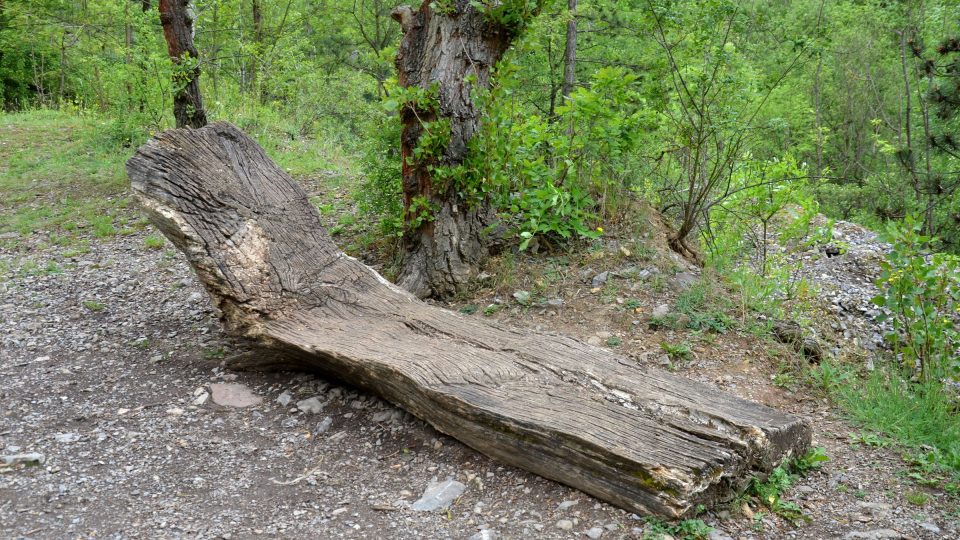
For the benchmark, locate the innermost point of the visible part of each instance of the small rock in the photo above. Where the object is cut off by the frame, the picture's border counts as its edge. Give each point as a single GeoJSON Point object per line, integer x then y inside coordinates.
{"type": "Point", "coordinates": [930, 527]}
{"type": "Point", "coordinates": [685, 280]}
{"type": "Point", "coordinates": [175, 411]}
{"type": "Point", "coordinates": [876, 534]}
{"type": "Point", "coordinates": [661, 311]}
{"type": "Point", "coordinates": [485, 534]}
{"type": "Point", "coordinates": [595, 341]}
{"type": "Point", "coordinates": [234, 395]}
{"type": "Point", "coordinates": [284, 398]}
{"type": "Point", "coordinates": [875, 509]}
{"type": "Point", "coordinates": [324, 425]}
{"type": "Point", "coordinates": [604, 335]}
{"type": "Point", "coordinates": [381, 416]}
{"type": "Point", "coordinates": [565, 524]}
{"type": "Point", "coordinates": [311, 405]}
{"type": "Point", "coordinates": [66, 437]}
{"type": "Point", "coordinates": [438, 495]}
{"type": "Point", "coordinates": [567, 504]}
{"type": "Point", "coordinates": [33, 458]}
{"type": "Point", "coordinates": [555, 303]}
{"type": "Point", "coordinates": [595, 532]}
{"type": "Point", "coordinates": [717, 534]}
{"type": "Point", "coordinates": [599, 279]}
{"type": "Point", "coordinates": [522, 297]}
{"type": "Point", "coordinates": [201, 399]}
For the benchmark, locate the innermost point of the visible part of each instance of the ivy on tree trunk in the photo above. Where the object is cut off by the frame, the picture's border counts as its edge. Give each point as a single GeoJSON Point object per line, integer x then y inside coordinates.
{"type": "Point", "coordinates": [447, 49]}
{"type": "Point", "coordinates": [177, 18]}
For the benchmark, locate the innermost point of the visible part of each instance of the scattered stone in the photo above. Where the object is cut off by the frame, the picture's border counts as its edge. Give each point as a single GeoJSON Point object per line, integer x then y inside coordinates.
{"type": "Point", "coordinates": [685, 280]}
{"type": "Point", "coordinates": [661, 311]}
{"type": "Point", "coordinates": [600, 279]}
{"type": "Point", "coordinates": [439, 495]}
{"type": "Point", "coordinates": [201, 399]}
{"type": "Point", "coordinates": [565, 524]}
{"type": "Point", "coordinates": [567, 504]}
{"type": "Point", "coordinates": [522, 297]}
{"type": "Point", "coordinates": [175, 411]}
{"type": "Point", "coordinates": [594, 533]}
{"type": "Point", "coordinates": [877, 510]}
{"type": "Point", "coordinates": [930, 527]}
{"type": "Point", "coordinates": [595, 341]}
{"type": "Point", "coordinates": [284, 398]}
{"type": "Point", "coordinates": [381, 416]}
{"type": "Point", "coordinates": [234, 395]}
{"type": "Point", "coordinates": [66, 437]}
{"type": "Point", "coordinates": [311, 405]}
{"type": "Point", "coordinates": [717, 534]}
{"type": "Point", "coordinates": [33, 458]}
{"type": "Point", "coordinates": [485, 534]}
{"type": "Point", "coordinates": [555, 303]}
{"type": "Point", "coordinates": [876, 534]}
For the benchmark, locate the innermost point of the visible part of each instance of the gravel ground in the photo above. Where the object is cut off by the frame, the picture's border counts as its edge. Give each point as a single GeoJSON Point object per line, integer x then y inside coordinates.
{"type": "Point", "coordinates": [109, 362]}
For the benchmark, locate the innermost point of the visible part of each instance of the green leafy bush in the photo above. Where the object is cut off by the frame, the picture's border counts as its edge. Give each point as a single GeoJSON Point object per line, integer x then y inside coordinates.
{"type": "Point", "coordinates": [921, 298]}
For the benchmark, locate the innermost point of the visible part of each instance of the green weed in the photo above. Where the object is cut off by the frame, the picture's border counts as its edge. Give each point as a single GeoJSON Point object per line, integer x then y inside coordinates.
{"type": "Point", "coordinates": [93, 305]}
{"type": "Point", "coordinates": [153, 241]}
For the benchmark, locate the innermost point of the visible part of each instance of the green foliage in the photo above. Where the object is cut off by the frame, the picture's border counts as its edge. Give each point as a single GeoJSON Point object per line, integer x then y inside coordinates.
{"type": "Point", "coordinates": [93, 305]}
{"type": "Point", "coordinates": [513, 15]}
{"type": "Point", "coordinates": [678, 351]}
{"type": "Point", "coordinates": [554, 178]}
{"type": "Point", "coordinates": [688, 529]}
{"type": "Point", "coordinates": [921, 298]}
{"type": "Point", "coordinates": [915, 414]}
{"type": "Point", "coordinates": [769, 492]}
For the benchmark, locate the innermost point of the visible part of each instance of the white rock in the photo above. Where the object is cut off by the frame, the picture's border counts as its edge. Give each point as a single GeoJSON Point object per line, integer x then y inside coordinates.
{"type": "Point", "coordinates": [311, 405]}
{"type": "Point", "coordinates": [565, 524]}
{"type": "Point", "coordinates": [439, 495]}
{"type": "Point", "coordinates": [234, 395]}
{"type": "Point", "coordinates": [66, 437]}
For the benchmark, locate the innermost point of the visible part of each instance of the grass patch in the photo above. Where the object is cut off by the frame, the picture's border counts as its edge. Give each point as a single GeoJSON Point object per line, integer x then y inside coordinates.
{"type": "Point", "coordinates": [58, 174]}
{"type": "Point", "coordinates": [93, 305]}
{"type": "Point", "coordinates": [153, 241]}
{"type": "Point", "coordinates": [915, 414]}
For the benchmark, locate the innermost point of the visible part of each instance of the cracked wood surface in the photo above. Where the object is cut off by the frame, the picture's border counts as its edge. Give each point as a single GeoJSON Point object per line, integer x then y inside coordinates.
{"type": "Point", "coordinates": [640, 438]}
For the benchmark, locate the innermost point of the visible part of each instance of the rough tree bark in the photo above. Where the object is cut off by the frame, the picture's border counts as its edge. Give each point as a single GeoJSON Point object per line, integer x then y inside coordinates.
{"type": "Point", "coordinates": [177, 16]}
{"type": "Point", "coordinates": [640, 438]}
{"type": "Point", "coordinates": [443, 49]}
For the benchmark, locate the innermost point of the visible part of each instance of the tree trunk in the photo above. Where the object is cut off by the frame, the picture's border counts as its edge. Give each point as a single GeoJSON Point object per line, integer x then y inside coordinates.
{"type": "Point", "coordinates": [445, 244]}
{"type": "Point", "coordinates": [258, 42]}
{"type": "Point", "coordinates": [643, 439]}
{"type": "Point", "coordinates": [176, 16]}
{"type": "Point", "coordinates": [570, 52]}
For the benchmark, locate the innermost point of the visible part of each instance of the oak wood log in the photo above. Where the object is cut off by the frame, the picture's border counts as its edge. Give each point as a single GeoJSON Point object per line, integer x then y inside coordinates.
{"type": "Point", "coordinates": [639, 438]}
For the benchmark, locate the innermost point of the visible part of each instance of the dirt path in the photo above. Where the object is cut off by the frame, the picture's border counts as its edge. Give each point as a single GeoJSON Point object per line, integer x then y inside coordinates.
{"type": "Point", "coordinates": [107, 360]}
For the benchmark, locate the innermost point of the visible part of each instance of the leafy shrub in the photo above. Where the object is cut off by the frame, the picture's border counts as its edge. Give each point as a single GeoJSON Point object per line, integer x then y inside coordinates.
{"type": "Point", "coordinates": [921, 298]}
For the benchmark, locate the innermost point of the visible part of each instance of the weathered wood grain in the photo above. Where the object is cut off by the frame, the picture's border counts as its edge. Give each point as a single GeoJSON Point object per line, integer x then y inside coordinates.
{"type": "Point", "coordinates": [639, 438]}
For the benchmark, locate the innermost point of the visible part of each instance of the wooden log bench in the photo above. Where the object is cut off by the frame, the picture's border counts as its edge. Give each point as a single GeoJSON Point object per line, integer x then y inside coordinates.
{"type": "Point", "coordinates": [640, 438]}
